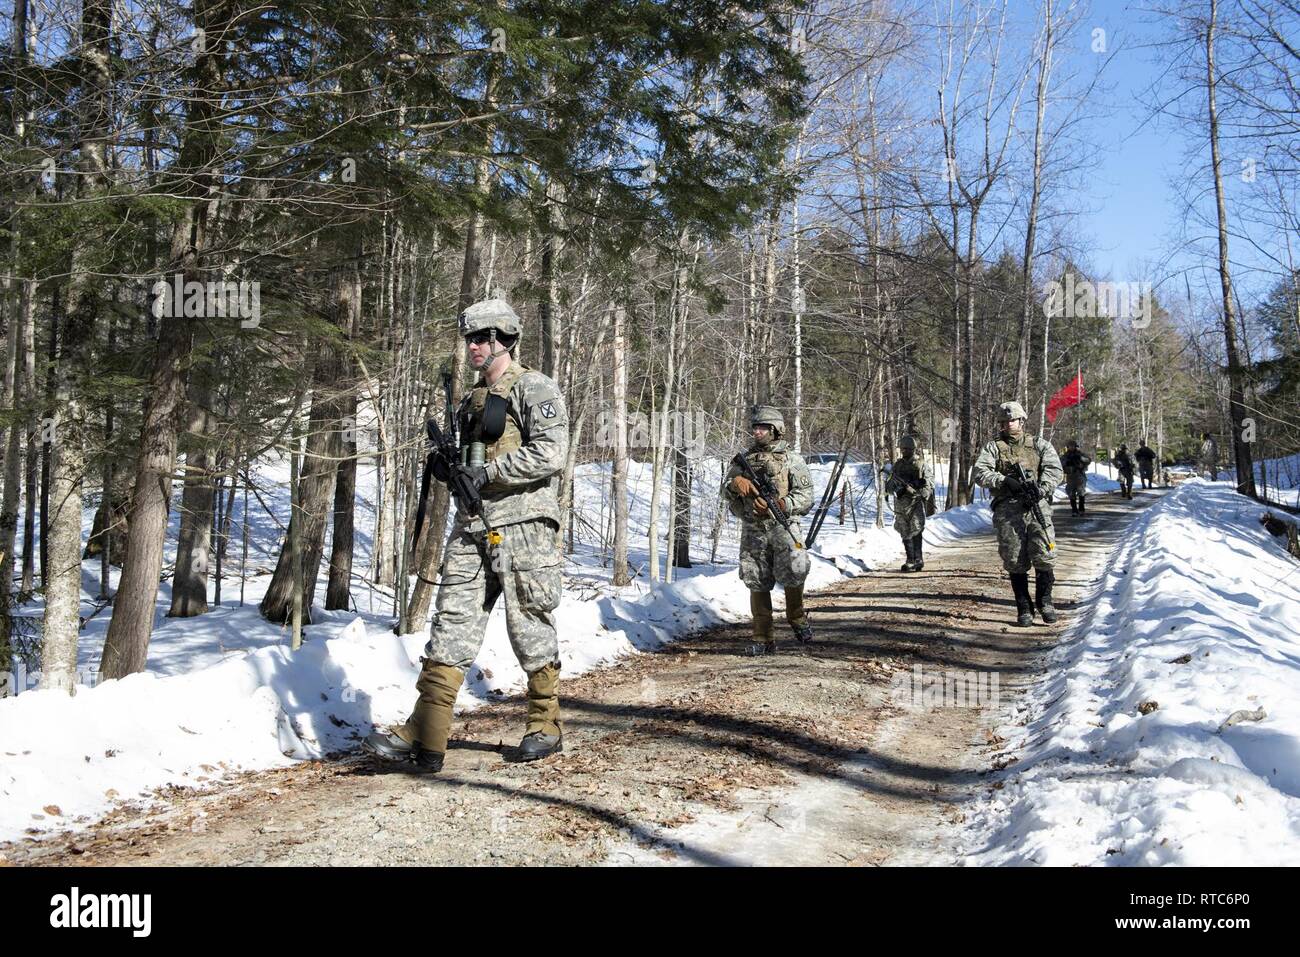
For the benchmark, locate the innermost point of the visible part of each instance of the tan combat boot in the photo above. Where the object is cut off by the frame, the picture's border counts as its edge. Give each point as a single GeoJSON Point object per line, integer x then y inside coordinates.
{"type": "Point", "coordinates": [760, 606]}
{"type": "Point", "coordinates": [423, 739]}
{"type": "Point", "coordinates": [543, 736]}
{"type": "Point", "coordinates": [796, 616]}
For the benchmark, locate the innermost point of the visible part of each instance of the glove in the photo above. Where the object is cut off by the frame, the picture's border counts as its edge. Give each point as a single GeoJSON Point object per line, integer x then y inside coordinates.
{"type": "Point", "coordinates": [478, 475]}
{"type": "Point", "coordinates": [744, 487]}
{"type": "Point", "coordinates": [760, 508]}
{"type": "Point", "coordinates": [1012, 484]}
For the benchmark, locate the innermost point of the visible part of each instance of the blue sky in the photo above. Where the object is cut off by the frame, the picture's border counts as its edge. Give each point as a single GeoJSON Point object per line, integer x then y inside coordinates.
{"type": "Point", "coordinates": [1131, 209]}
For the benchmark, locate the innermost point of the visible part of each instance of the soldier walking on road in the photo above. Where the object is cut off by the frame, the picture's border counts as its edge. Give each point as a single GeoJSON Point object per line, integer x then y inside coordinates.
{"type": "Point", "coordinates": [515, 437]}
{"type": "Point", "coordinates": [1023, 541]}
{"type": "Point", "coordinates": [911, 482]}
{"type": "Point", "coordinates": [770, 555]}
{"type": "Point", "coordinates": [1146, 460]}
{"type": "Point", "coordinates": [1124, 463]}
{"type": "Point", "coordinates": [1209, 457]}
{"type": "Point", "coordinates": [1076, 465]}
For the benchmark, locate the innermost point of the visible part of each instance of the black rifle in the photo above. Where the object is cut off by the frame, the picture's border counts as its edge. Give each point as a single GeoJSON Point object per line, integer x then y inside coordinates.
{"type": "Point", "coordinates": [446, 452]}
{"type": "Point", "coordinates": [1029, 496]}
{"type": "Point", "coordinates": [767, 492]}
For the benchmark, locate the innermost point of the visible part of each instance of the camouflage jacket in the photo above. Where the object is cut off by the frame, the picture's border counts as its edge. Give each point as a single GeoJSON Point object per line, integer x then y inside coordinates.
{"type": "Point", "coordinates": [523, 483]}
{"type": "Point", "coordinates": [904, 477]}
{"type": "Point", "coordinates": [1076, 462]}
{"type": "Point", "coordinates": [789, 473]}
{"type": "Point", "coordinates": [1039, 458]}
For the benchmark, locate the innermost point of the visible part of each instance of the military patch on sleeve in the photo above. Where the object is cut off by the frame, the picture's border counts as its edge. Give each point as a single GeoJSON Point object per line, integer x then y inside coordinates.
{"type": "Point", "coordinates": [547, 409]}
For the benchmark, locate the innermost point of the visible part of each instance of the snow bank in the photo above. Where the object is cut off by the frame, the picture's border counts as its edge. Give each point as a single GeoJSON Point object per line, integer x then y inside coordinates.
{"type": "Point", "coordinates": [1199, 614]}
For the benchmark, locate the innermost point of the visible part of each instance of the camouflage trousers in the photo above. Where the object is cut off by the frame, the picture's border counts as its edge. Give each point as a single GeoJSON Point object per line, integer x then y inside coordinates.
{"type": "Point", "coordinates": [1022, 543]}
{"type": "Point", "coordinates": [768, 557]}
{"type": "Point", "coordinates": [526, 567]}
{"type": "Point", "coordinates": [1076, 483]}
{"type": "Point", "coordinates": [909, 515]}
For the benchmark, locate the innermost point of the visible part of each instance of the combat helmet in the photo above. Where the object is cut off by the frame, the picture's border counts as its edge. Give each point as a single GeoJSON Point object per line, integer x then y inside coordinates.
{"type": "Point", "coordinates": [1011, 410]}
{"type": "Point", "coordinates": [490, 314]}
{"type": "Point", "coordinates": [767, 415]}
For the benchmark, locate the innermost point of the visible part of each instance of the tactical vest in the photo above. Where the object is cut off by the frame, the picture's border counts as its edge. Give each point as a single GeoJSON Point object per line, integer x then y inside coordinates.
{"type": "Point", "coordinates": [772, 464]}
{"type": "Point", "coordinates": [1025, 452]}
{"type": "Point", "coordinates": [1075, 462]}
{"type": "Point", "coordinates": [909, 471]}
{"type": "Point", "coordinates": [474, 420]}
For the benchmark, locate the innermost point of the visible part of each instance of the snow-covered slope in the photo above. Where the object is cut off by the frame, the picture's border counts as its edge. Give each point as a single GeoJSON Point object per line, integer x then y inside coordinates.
{"type": "Point", "coordinates": [1168, 729]}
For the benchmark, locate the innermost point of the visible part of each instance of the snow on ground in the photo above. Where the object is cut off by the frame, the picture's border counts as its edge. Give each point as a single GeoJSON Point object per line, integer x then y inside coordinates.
{"type": "Point", "coordinates": [223, 692]}
{"type": "Point", "coordinates": [1199, 613]}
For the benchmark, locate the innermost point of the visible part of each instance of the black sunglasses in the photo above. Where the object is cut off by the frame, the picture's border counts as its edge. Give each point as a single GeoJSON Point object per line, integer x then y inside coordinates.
{"type": "Point", "coordinates": [479, 338]}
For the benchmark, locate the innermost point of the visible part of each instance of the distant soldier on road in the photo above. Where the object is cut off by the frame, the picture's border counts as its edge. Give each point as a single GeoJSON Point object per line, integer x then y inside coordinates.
{"type": "Point", "coordinates": [1076, 465]}
{"type": "Point", "coordinates": [769, 555]}
{"type": "Point", "coordinates": [1124, 463]}
{"type": "Point", "coordinates": [1022, 540]}
{"type": "Point", "coordinates": [911, 482]}
{"type": "Point", "coordinates": [1146, 460]}
{"type": "Point", "coordinates": [1208, 459]}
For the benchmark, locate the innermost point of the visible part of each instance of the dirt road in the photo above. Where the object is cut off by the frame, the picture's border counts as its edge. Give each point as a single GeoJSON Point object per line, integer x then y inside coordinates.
{"type": "Point", "coordinates": [696, 755]}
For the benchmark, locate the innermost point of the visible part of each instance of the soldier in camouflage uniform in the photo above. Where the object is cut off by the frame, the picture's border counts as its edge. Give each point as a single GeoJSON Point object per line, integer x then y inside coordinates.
{"type": "Point", "coordinates": [1146, 460]}
{"type": "Point", "coordinates": [1076, 465]}
{"type": "Point", "coordinates": [1124, 463]}
{"type": "Point", "coordinates": [1209, 457]}
{"type": "Point", "coordinates": [1022, 542]}
{"type": "Point", "coordinates": [511, 549]}
{"type": "Point", "coordinates": [911, 482]}
{"type": "Point", "coordinates": [768, 554]}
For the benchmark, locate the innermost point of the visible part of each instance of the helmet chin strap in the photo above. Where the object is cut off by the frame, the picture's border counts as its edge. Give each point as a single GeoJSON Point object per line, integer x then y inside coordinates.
{"type": "Point", "coordinates": [493, 354]}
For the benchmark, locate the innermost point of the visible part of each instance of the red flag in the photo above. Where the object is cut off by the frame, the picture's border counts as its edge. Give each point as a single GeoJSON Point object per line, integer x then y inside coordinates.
{"type": "Point", "coordinates": [1072, 394]}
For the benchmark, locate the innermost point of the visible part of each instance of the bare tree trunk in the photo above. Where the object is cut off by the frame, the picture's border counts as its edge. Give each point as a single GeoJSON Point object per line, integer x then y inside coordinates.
{"type": "Point", "coordinates": [293, 543]}
{"type": "Point", "coordinates": [339, 590]}
{"type": "Point", "coordinates": [15, 383]}
{"type": "Point", "coordinates": [1031, 230]}
{"type": "Point", "coordinates": [619, 472]}
{"type": "Point", "coordinates": [797, 307]}
{"type": "Point", "coordinates": [57, 315]}
{"type": "Point", "coordinates": [1236, 377]}
{"type": "Point", "coordinates": [552, 248]}
{"type": "Point", "coordinates": [33, 456]}
{"type": "Point", "coordinates": [62, 624]}
{"type": "Point", "coordinates": [315, 494]}
{"type": "Point", "coordinates": [190, 578]}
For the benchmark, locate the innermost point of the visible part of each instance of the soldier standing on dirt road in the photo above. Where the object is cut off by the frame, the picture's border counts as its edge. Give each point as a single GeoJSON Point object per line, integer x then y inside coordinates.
{"type": "Point", "coordinates": [1124, 463]}
{"type": "Point", "coordinates": [1076, 465]}
{"type": "Point", "coordinates": [515, 419]}
{"type": "Point", "coordinates": [769, 555]}
{"type": "Point", "coordinates": [1209, 457]}
{"type": "Point", "coordinates": [911, 483]}
{"type": "Point", "coordinates": [1146, 460]}
{"type": "Point", "coordinates": [1022, 541]}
